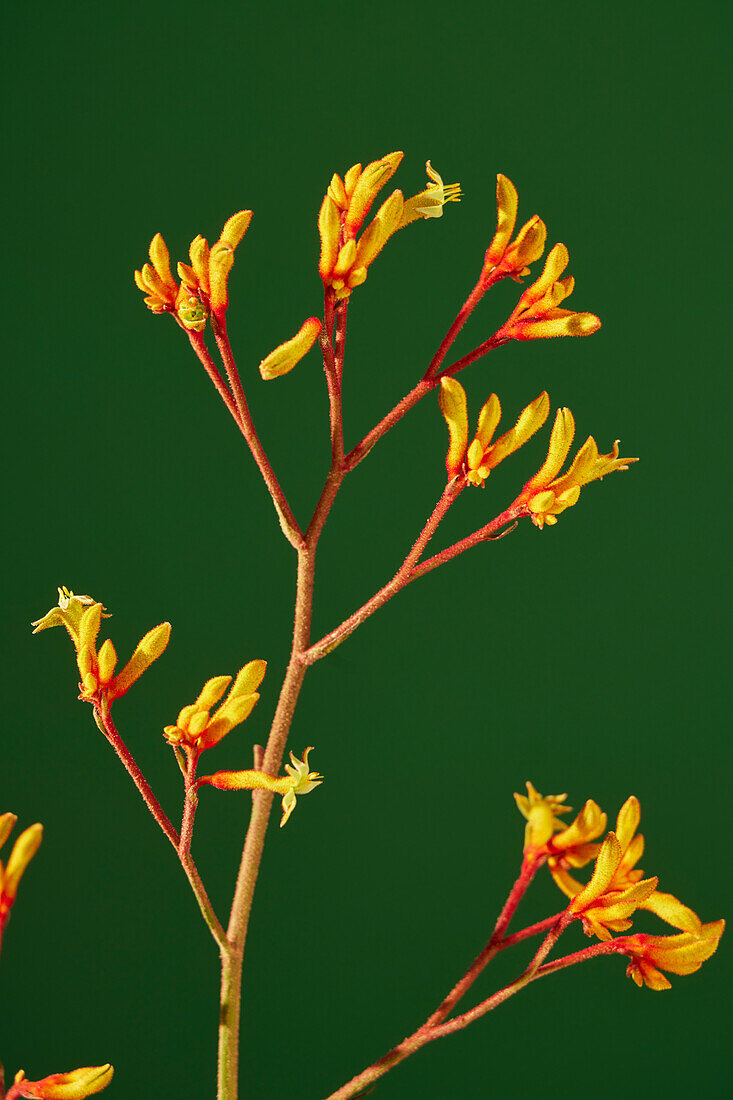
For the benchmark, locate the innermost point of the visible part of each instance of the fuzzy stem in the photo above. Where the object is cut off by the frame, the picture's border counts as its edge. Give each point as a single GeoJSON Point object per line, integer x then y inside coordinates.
{"type": "Point", "coordinates": [288, 523]}
{"type": "Point", "coordinates": [402, 577]}
{"type": "Point", "coordinates": [104, 721]}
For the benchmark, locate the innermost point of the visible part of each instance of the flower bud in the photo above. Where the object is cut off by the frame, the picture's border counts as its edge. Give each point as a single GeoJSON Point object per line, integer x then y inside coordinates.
{"type": "Point", "coordinates": [148, 649]}
{"type": "Point", "coordinates": [287, 355]}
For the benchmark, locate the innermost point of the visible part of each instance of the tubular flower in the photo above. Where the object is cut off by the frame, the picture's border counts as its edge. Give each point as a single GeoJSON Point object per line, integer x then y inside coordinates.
{"type": "Point", "coordinates": [297, 780]}
{"type": "Point", "coordinates": [574, 846]}
{"type": "Point", "coordinates": [542, 814]}
{"type": "Point", "coordinates": [627, 874]}
{"type": "Point", "coordinates": [481, 457]}
{"type": "Point", "coordinates": [503, 258]}
{"type": "Point", "coordinates": [197, 729]}
{"type": "Point", "coordinates": [546, 495]}
{"type": "Point", "coordinates": [344, 260]}
{"type": "Point", "coordinates": [602, 907]}
{"type": "Point", "coordinates": [22, 853]}
{"type": "Point", "coordinates": [203, 289]}
{"type": "Point", "coordinates": [681, 954]}
{"type": "Point", "coordinates": [82, 618]}
{"type": "Point", "coordinates": [537, 315]}
{"type": "Point", "coordinates": [64, 1086]}
{"type": "Point", "coordinates": [288, 355]}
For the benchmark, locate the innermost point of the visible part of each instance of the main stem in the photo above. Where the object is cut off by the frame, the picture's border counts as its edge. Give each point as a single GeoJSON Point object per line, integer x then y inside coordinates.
{"type": "Point", "coordinates": [231, 973]}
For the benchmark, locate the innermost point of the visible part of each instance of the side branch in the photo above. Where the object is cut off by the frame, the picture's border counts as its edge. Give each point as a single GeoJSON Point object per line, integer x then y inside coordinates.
{"type": "Point", "coordinates": [288, 523]}
{"type": "Point", "coordinates": [402, 577]}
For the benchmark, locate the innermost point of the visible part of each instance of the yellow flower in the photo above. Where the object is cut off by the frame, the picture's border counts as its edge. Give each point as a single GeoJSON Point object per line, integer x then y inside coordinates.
{"type": "Point", "coordinates": [287, 355]}
{"type": "Point", "coordinates": [429, 202]}
{"type": "Point", "coordinates": [82, 618]}
{"type": "Point", "coordinates": [547, 495]}
{"type": "Point", "coordinates": [575, 846]}
{"type": "Point", "coordinates": [75, 1085]}
{"type": "Point", "coordinates": [542, 814]}
{"type": "Point", "coordinates": [22, 853]}
{"type": "Point", "coordinates": [503, 258]}
{"type": "Point", "coordinates": [197, 729]}
{"type": "Point", "coordinates": [681, 954]}
{"type": "Point", "coordinates": [297, 780]}
{"type": "Point", "coordinates": [203, 288]}
{"type": "Point", "coordinates": [627, 874]}
{"type": "Point", "coordinates": [537, 315]}
{"type": "Point", "coordinates": [482, 456]}
{"type": "Point", "coordinates": [344, 260]}
{"type": "Point", "coordinates": [602, 907]}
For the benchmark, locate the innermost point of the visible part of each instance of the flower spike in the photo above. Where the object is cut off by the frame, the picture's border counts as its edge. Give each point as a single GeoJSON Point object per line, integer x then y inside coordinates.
{"type": "Point", "coordinates": [546, 495]}
{"type": "Point", "coordinates": [196, 728]}
{"type": "Point", "coordinates": [82, 617]}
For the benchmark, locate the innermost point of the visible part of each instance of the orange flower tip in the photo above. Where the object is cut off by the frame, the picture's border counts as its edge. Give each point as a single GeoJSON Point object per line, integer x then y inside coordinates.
{"type": "Point", "coordinates": [288, 355]}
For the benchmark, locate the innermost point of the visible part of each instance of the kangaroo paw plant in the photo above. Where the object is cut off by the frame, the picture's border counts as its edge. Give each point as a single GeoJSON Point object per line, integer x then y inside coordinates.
{"type": "Point", "coordinates": [197, 300]}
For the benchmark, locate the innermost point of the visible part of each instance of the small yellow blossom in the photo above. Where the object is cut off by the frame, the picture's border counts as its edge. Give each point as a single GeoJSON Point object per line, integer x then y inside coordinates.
{"type": "Point", "coordinates": [23, 851]}
{"type": "Point", "coordinates": [297, 780]}
{"type": "Point", "coordinates": [82, 618]}
{"type": "Point", "coordinates": [344, 259]}
{"type": "Point", "coordinates": [503, 258]}
{"type": "Point", "coordinates": [542, 813]}
{"type": "Point", "coordinates": [204, 282]}
{"type": "Point", "coordinates": [537, 315]}
{"type": "Point", "coordinates": [482, 456]}
{"type": "Point", "coordinates": [547, 495]}
{"type": "Point", "coordinates": [429, 202]}
{"type": "Point", "coordinates": [602, 907]}
{"type": "Point", "coordinates": [681, 954]}
{"type": "Point", "coordinates": [288, 355]}
{"type": "Point", "coordinates": [75, 1085]}
{"type": "Point", "coordinates": [197, 728]}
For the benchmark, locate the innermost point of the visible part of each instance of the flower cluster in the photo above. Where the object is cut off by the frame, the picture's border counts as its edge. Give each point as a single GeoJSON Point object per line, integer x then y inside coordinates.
{"type": "Point", "coordinates": [204, 282]}
{"type": "Point", "coordinates": [617, 887]}
{"type": "Point", "coordinates": [504, 256]}
{"type": "Point", "coordinates": [81, 616]}
{"type": "Point", "coordinates": [197, 729]}
{"type": "Point", "coordinates": [344, 260]}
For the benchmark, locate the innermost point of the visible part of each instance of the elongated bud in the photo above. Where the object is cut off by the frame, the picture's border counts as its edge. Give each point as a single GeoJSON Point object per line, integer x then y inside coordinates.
{"type": "Point", "coordinates": [89, 626]}
{"type": "Point", "coordinates": [345, 260]}
{"type": "Point", "coordinates": [148, 649]}
{"type": "Point", "coordinates": [569, 324]}
{"type": "Point", "coordinates": [161, 262]}
{"type": "Point", "coordinates": [235, 227]}
{"type": "Point", "coordinates": [76, 1085]}
{"type": "Point", "coordinates": [199, 255]}
{"type": "Point", "coordinates": [287, 355]}
{"type": "Point", "coordinates": [106, 661]}
{"type": "Point", "coordinates": [351, 179]}
{"type": "Point", "coordinates": [561, 440]}
{"type": "Point", "coordinates": [337, 191]}
{"type": "Point", "coordinates": [221, 261]}
{"type": "Point", "coordinates": [329, 227]}
{"type": "Point", "coordinates": [376, 235]}
{"type": "Point", "coordinates": [507, 202]}
{"type": "Point", "coordinates": [7, 824]}
{"type": "Point", "coordinates": [368, 185]}
{"type": "Point", "coordinates": [453, 407]}
{"type": "Point", "coordinates": [23, 852]}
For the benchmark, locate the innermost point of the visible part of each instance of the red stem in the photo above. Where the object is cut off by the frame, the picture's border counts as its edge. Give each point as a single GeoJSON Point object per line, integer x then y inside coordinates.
{"type": "Point", "coordinates": [288, 523]}
{"type": "Point", "coordinates": [484, 534]}
{"type": "Point", "coordinates": [199, 346]}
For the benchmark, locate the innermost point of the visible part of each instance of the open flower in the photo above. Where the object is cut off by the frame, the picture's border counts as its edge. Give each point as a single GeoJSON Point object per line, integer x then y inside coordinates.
{"type": "Point", "coordinates": [601, 905]}
{"type": "Point", "coordinates": [75, 1085]}
{"type": "Point", "coordinates": [23, 851]}
{"type": "Point", "coordinates": [482, 456]}
{"type": "Point", "coordinates": [547, 495]}
{"type": "Point", "coordinates": [505, 258]}
{"type": "Point", "coordinates": [543, 817]}
{"type": "Point", "coordinates": [345, 260]}
{"type": "Point", "coordinates": [197, 728]}
{"type": "Point", "coordinates": [298, 779]}
{"type": "Point", "coordinates": [204, 282]}
{"type": "Point", "coordinates": [538, 316]}
{"type": "Point", "coordinates": [631, 844]}
{"type": "Point", "coordinates": [82, 618]}
{"type": "Point", "coordinates": [681, 954]}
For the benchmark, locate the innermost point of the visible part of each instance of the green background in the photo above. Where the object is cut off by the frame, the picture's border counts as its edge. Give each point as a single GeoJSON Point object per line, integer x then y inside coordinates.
{"type": "Point", "coordinates": [588, 657]}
